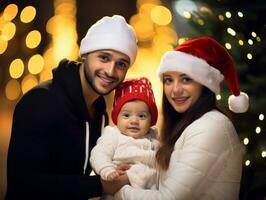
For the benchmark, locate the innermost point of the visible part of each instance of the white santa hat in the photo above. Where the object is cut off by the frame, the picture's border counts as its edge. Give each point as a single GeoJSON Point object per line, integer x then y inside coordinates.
{"type": "Point", "coordinates": [111, 33]}
{"type": "Point", "coordinates": [207, 62]}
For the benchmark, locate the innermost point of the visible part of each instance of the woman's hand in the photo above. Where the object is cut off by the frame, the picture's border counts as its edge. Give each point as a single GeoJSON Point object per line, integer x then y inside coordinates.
{"type": "Point", "coordinates": [111, 187]}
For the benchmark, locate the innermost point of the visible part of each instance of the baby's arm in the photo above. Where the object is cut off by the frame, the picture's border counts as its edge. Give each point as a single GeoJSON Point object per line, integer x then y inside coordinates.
{"type": "Point", "coordinates": [112, 176]}
{"type": "Point", "coordinates": [102, 154]}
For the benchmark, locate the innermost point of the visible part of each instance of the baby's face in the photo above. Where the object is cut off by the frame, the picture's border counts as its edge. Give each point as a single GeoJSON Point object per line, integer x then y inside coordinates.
{"type": "Point", "coordinates": [134, 119]}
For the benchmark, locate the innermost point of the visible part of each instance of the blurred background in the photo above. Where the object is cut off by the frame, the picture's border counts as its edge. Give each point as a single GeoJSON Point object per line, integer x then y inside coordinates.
{"type": "Point", "coordinates": [36, 35]}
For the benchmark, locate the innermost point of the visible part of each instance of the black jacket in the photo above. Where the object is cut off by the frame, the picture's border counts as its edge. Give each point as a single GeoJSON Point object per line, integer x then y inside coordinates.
{"type": "Point", "coordinates": [47, 156]}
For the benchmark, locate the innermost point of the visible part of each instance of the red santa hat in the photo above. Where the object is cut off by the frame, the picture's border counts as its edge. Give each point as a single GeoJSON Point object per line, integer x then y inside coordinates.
{"type": "Point", "coordinates": [207, 62]}
{"type": "Point", "coordinates": [135, 89]}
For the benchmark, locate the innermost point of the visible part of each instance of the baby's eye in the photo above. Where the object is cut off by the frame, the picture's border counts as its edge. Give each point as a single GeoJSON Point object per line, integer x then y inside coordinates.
{"type": "Point", "coordinates": [126, 115]}
{"type": "Point", "coordinates": [142, 116]}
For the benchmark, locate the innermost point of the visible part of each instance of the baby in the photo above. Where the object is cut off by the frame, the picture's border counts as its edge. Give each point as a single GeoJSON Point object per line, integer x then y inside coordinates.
{"type": "Point", "coordinates": [132, 140]}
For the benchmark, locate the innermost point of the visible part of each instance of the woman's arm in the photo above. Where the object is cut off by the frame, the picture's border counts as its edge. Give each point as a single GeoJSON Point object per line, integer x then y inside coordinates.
{"type": "Point", "coordinates": [200, 150]}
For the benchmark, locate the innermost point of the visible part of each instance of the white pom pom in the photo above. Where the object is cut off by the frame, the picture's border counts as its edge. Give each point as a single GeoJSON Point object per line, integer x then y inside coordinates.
{"type": "Point", "coordinates": [238, 104]}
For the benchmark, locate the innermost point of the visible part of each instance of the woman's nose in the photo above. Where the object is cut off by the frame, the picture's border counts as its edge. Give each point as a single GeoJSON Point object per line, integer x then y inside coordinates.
{"type": "Point", "coordinates": [177, 88]}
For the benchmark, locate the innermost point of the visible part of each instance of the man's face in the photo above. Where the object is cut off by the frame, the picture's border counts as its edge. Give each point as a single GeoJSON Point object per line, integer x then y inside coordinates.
{"type": "Point", "coordinates": [105, 69]}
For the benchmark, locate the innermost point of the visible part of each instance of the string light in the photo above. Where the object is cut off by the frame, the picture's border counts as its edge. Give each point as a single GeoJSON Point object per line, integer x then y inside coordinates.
{"type": "Point", "coordinates": [249, 56]}
{"type": "Point", "coordinates": [241, 42]}
{"type": "Point", "coordinates": [250, 41]}
{"type": "Point", "coordinates": [240, 14]}
{"type": "Point", "coordinates": [231, 31]}
{"type": "Point", "coordinates": [246, 141]}
{"type": "Point", "coordinates": [261, 117]}
{"type": "Point", "coordinates": [247, 163]}
{"type": "Point", "coordinates": [258, 39]}
{"type": "Point", "coordinates": [221, 17]}
{"type": "Point", "coordinates": [228, 14]}
{"type": "Point", "coordinates": [253, 34]}
{"type": "Point", "coordinates": [258, 130]}
{"type": "Point", "coordinates": [218, 97]}
{"type": "Point", "coordinates": [228, 45]}
{"type": "Point", "coordinates": [187, 14]}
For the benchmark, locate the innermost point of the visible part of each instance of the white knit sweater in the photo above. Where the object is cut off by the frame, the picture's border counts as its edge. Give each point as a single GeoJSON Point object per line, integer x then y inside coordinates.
{"type": "Point", "coordinates": [206, 164]}
{"type": "Point", "coordinates": [113, 148]}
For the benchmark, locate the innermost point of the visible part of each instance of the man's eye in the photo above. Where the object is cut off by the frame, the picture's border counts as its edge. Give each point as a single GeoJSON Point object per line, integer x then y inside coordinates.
{"type": "Point", "coordinates": [122, 65]}
{"type": "Point", "coordinates": [104, 58]}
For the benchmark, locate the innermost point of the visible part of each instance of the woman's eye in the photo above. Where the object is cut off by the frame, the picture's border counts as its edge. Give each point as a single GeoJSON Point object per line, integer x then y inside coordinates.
{"type": "Point", "coordinates": [167, 80]}
{"type": "Point", "coordinates": [186, 80]}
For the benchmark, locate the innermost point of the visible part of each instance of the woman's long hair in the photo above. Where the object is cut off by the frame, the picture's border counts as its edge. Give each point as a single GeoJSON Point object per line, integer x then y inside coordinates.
{"type": "Point", "coordinates": [174, 123]}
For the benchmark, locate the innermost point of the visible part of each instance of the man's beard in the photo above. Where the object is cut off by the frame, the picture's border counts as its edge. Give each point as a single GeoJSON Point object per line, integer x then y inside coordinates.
{"type": "Point", "coordinates": [88, 77]}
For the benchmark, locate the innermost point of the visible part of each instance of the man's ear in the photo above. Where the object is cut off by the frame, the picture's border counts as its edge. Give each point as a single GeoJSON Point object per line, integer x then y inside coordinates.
{"type": "Point", "coordinates": [83, 57]}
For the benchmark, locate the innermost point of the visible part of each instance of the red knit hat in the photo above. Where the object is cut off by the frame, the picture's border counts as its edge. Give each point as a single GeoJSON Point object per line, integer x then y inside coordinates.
{"type": "Point", "coordinates": [207, 62]}
{"type": "Point", "coordinates": [132, 89]}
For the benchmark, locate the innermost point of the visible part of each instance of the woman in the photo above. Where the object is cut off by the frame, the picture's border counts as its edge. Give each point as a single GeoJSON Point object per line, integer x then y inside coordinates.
{"type": "Point", "coordinates": [200, 155]}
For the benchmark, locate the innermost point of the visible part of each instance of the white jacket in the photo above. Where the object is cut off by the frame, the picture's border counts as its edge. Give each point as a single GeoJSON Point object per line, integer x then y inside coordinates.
{"type": "Point", "coordinates": [206, 164]}
{"type": "Point", "coordinates": [113, 148]}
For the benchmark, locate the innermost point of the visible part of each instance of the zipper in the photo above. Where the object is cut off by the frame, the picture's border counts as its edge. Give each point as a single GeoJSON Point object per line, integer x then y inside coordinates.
{"type": "Point", "coordinates": [86, 147]}
{"type": "Point", "coordinates": [103, 124]}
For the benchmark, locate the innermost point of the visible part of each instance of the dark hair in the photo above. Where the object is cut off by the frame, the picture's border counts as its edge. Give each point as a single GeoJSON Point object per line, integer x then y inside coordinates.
{"type": "Point", "coordinates": [174, 123]}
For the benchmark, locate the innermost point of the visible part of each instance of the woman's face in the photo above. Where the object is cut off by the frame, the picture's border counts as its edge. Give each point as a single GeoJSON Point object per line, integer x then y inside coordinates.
{"type": "Point", "coordinates": [180, 90]}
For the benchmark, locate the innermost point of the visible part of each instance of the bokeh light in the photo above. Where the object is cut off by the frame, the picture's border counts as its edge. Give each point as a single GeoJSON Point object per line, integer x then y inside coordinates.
{"type": "Point", "coordinates": [10, 12]}
{"type": "Point", "coordinates": [36, 64]}
{"type": "Point", "coordinates": [33, 39]}
{"type": "Point", "coordinates": [3, 44]}
{"type": "Point", "coordinates": [12, 89]}
{"type": "Point", "coordinates": [9, 30]}
{"type": "Point", "coordinates": [161, 15]}
{"type": "Point", "coordinates": [16, 68]}
{"type": "Point", "coordinates": [27, 14]}
{"type": "Point", "coordinates": [28, 82]}
{"type": "Point", "coordinates": [246, 141]}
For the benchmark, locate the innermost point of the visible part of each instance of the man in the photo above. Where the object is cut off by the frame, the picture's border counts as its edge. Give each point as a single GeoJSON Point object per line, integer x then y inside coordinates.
{"type": "Point", "coordinates": [56, 124]}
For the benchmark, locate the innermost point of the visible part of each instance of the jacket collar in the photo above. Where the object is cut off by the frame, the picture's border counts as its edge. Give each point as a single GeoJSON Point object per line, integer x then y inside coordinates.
{"type": "Point", "coordinates": [67, 75]}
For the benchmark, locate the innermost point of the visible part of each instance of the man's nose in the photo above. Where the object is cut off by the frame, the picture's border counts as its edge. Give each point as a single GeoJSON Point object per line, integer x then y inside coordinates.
{"type": "Point", "coordinates": [110, 69]}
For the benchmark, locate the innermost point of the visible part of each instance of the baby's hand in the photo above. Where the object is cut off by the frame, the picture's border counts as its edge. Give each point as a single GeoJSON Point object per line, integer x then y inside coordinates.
{"type": "Point", "coordinates": [113, 176]}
